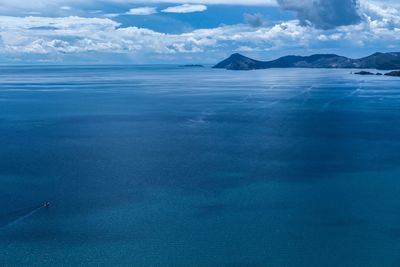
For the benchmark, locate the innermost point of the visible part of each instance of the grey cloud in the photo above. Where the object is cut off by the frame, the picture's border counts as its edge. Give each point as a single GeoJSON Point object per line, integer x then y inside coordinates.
{"type": "Point", "coordinates": [324, 14]}
{"type": "Point", "coordinates": [254, 20]}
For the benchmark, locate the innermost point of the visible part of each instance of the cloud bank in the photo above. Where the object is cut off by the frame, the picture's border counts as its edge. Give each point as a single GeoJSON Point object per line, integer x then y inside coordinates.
{"type": "Point", "coordinates": [49, 37]}
{"type": "Point", "coordinates": [45, 35]}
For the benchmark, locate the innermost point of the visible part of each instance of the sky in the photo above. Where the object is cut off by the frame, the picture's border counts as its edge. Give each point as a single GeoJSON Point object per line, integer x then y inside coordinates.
{"type": "Point", "coordinates": [192, 31]}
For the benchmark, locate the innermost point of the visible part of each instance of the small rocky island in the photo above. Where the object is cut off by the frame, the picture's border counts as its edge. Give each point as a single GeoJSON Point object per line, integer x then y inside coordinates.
{"type": "Point", "coordinates": [192, 66]}
{"type": "Point", "coordinates": [380, 61]}
{"type": "Point", "coordinates": [367, 73]}
{"type": "Point", "coordinates": [393, 73]}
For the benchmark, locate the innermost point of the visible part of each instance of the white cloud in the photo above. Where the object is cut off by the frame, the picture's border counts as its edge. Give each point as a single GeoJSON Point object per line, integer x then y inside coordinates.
{"type": "Point", "coordinates": [142, 11]}
{"type": "Point", "coordinates": [185, 8]}
{"type": "Point", "coordinates": [65, 8]}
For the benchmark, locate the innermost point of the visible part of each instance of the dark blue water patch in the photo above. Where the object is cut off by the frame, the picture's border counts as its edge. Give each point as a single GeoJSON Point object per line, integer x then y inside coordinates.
{"type": "Point", "coordinates": [134, 142]}
{"type": "Point", "coordinates": [343, 223]}
{"type": "Point", "coordinates": [210, 210]}
{"type": "Point", "coordinates": [198, 167]}
{"type": "Point", "coordinates": [49, 234]}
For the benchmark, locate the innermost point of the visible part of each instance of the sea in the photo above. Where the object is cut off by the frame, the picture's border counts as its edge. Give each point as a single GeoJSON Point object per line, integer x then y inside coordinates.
{"type": "Point", "coordinates": [161, 165]}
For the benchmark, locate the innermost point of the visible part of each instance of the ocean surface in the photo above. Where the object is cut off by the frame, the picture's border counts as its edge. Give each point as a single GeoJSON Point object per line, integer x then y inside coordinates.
{"type": "Point", "coordinates": [169, 166]}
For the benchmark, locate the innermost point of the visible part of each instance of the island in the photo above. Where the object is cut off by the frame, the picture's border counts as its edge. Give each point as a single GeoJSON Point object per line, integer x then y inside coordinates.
{"type": "Point", "coordinates": [368, 73]}
{"type": "Point", "coordinates": [192, 66]}
{"type": "Point", "coordinates": [393, 73]}
{"type": "Point", "coordinates": [364, 73]}
{"type": "Point", "coordinates": [381, 61]}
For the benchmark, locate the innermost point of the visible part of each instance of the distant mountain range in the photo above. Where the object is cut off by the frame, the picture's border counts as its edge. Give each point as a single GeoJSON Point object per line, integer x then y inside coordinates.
{"type": "Point", "coordinates": [380, 61]}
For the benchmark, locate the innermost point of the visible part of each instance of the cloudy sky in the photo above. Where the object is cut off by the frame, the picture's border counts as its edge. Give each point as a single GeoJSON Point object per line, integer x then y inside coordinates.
{"type": "Point", "coordinates": [195, 31]}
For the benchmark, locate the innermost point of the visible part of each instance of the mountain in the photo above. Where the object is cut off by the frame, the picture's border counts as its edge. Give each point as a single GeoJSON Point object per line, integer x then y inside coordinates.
{"type": "Point", "coordinates": [239, 62]}
{"type": "Point", "coordinates": [382, 61]}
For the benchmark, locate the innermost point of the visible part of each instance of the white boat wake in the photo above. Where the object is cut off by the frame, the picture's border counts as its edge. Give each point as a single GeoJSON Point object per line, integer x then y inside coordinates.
{"type": "Point", "coordinates": [21, 218]}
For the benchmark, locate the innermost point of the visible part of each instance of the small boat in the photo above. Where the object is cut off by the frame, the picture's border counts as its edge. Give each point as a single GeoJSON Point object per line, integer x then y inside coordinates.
{"type": "Point", "coordinates": [46, 204]}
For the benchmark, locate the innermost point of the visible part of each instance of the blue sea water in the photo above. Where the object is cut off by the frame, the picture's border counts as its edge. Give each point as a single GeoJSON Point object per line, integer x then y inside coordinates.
{"type": "Point", "coordinates": [168, 166]}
